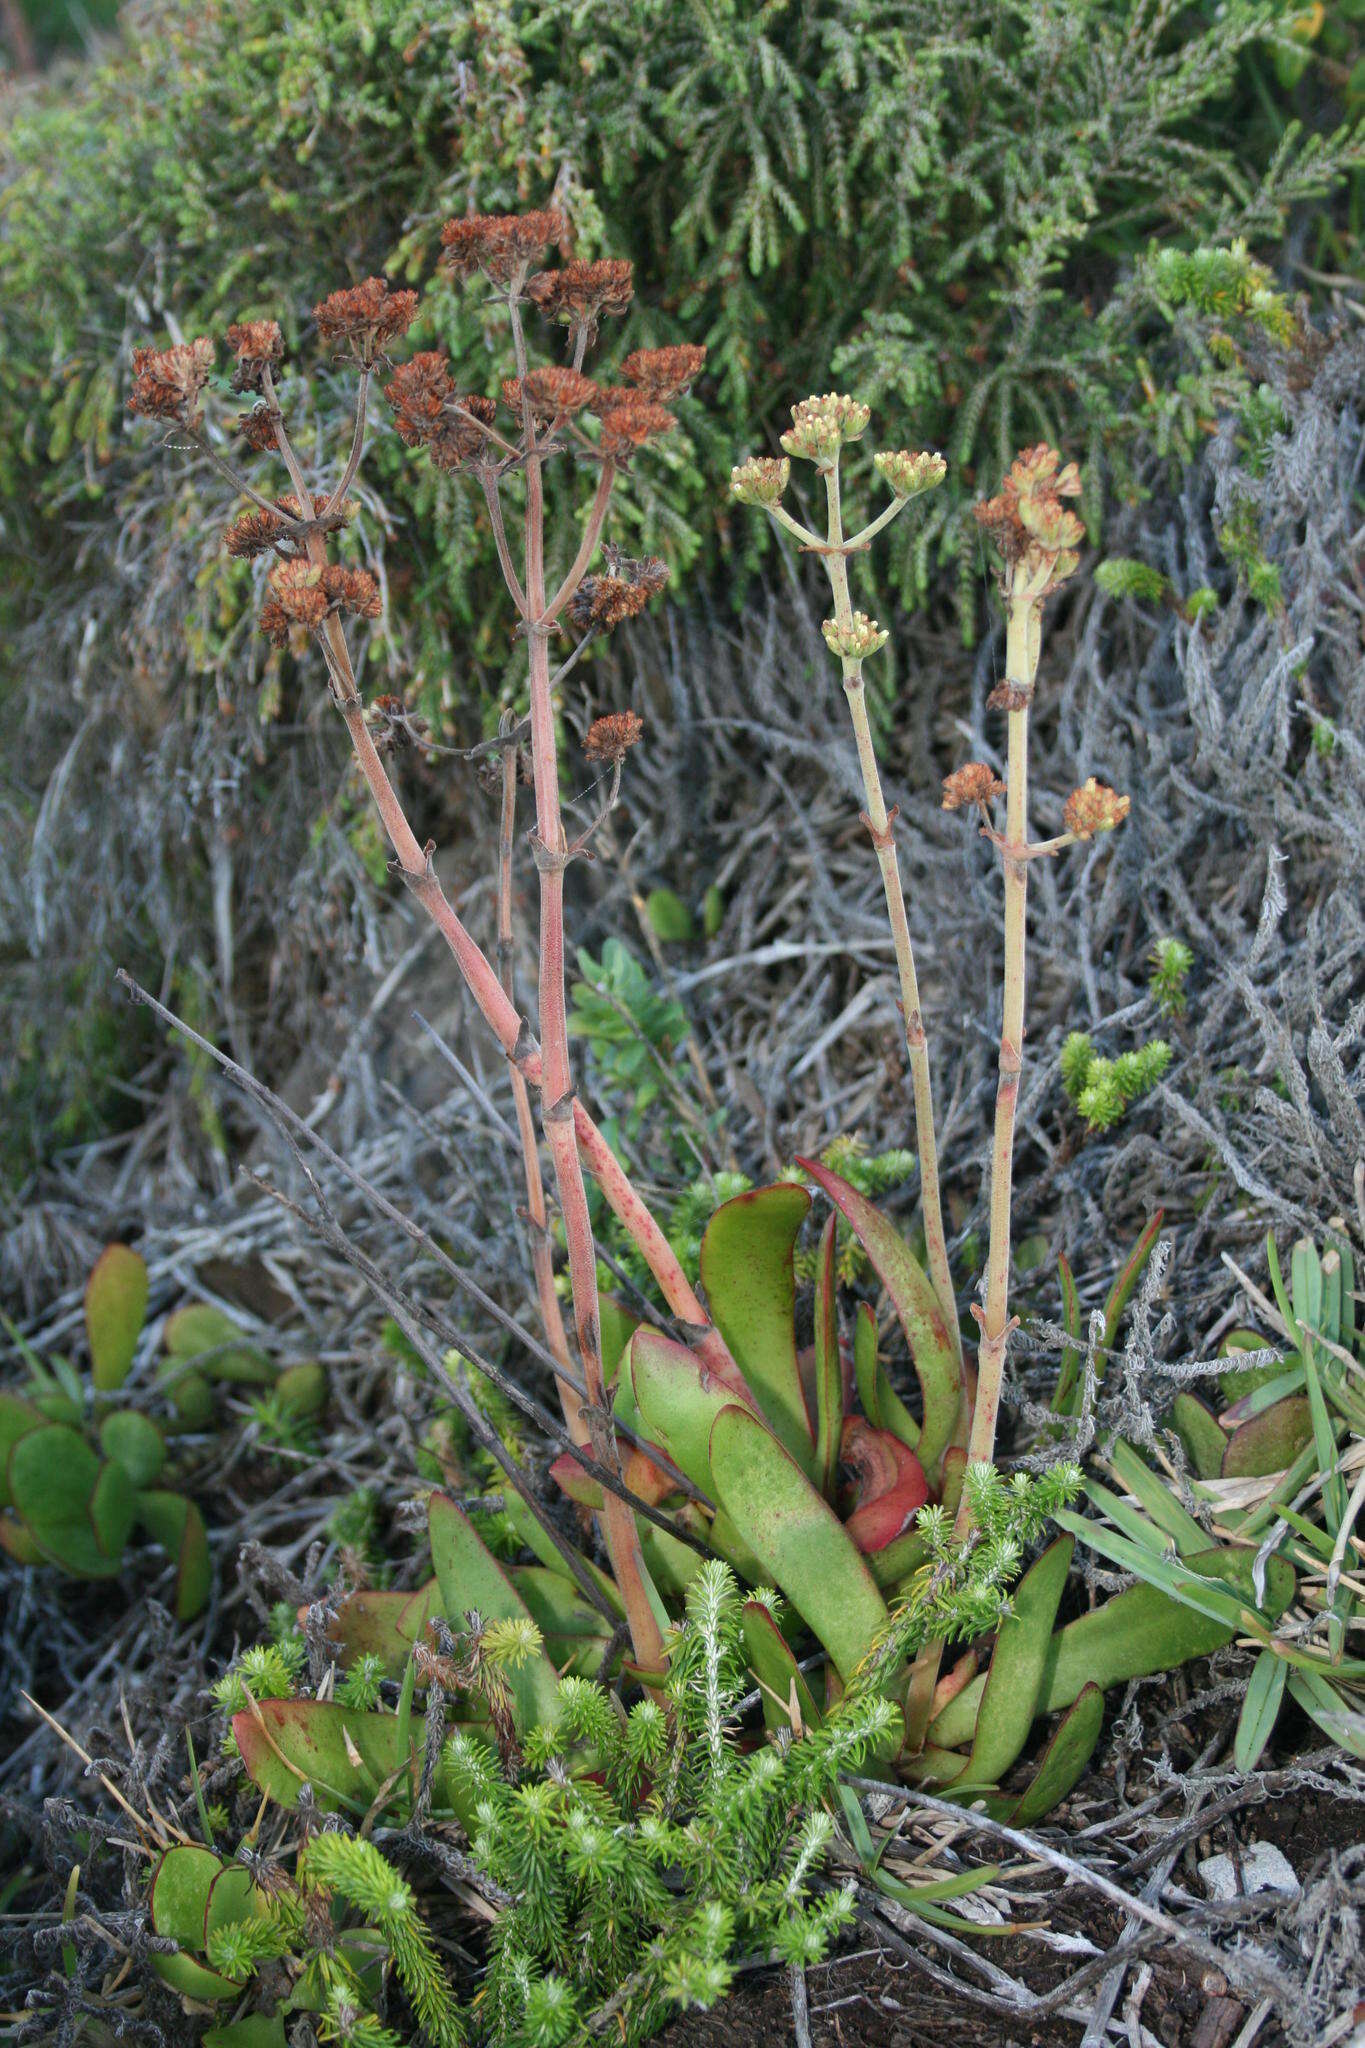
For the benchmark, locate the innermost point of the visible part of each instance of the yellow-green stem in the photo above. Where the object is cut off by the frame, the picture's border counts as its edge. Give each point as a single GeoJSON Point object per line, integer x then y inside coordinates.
{"type": "Point", "coordinates": [883, 839]}
{"type": "Point", "coordinates": [1021, 667]}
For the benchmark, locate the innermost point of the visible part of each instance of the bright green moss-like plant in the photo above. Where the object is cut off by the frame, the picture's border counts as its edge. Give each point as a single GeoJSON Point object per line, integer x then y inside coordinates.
{"type": "Point", "coordinates": [1104, 1090]}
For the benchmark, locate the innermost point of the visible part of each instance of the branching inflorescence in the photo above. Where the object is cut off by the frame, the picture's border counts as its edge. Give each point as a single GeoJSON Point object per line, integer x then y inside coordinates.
{"type": "Point", "coordinates": [541, 416]}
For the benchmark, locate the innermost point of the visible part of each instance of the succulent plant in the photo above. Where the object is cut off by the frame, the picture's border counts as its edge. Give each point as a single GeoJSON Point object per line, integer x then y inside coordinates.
{"type": "Point", "coordinates": [79, 1474]}
{"type": "Point", "coordinates": [806, 1470]}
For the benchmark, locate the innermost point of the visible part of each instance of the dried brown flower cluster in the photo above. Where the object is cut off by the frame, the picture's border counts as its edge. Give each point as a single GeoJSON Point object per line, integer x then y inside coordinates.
{"type": "Point", "coordinates": [664, 373]}
{"type": "Point", "coordinates": [500, 244]}
{"type": "Point", "coordinates": [1028, 522]}
{"type": "Point", "coordinates": [627, 426]}
{"type": "Point", "coordinates": [258, 345]}
{"type": "Point", "coordinates": [167, 381]}
{"type": "Point", "coordinates": [430, 413]}
{"type": "Point", "coordinates": [256, 532]}
{"type": "Point", "coordinates": [368, 316]}
{"type": "Point", "coordinates": [1094, 807]}
{"type": "Point", "coordinates": [974, 783]}
{"type": "Point", "coordinates": [552, 392]}
{"type": "Point", "coordinates": [257, 429]}
{"type": "Point", "coordinates": [581, 292]}
{"type": "Point", "coordinates": [601, 602]}
{"type": "Point", "coordinates": [611, 738]}
{"type": "Point", "coordinates": [306, 592]}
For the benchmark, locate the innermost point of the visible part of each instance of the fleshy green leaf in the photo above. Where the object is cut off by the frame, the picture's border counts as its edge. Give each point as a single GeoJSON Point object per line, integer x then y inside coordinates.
{"type": "Point", "coordinates": [747, 1271]}
{"type": "Point", "coordinates": [115, 1310]}
{"type": "Point", "coordinates": [796, 1537]}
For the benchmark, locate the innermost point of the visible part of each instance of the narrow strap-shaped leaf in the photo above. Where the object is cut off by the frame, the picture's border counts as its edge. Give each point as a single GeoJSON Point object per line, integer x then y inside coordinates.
{"type": "Point", "coordinates": [926, 1333]}
{"type": "Point", "coordinates": [1064, 1760]}
{"type": "Point", "coordinates": [1260, 1709]}
{"type": "Point", "coordinates": [1015, 1677]}
{"type": "Point", "coordinates": [1157, 1500]}
{"type": "Point", "coordinates": [829, 1373]}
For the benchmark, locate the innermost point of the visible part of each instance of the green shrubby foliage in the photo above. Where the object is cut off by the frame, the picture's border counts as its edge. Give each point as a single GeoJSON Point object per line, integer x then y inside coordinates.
{"type": "Point", "coordinates": [953, 209]}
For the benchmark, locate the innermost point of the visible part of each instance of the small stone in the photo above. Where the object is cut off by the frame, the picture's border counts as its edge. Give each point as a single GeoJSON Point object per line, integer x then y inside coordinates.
{"type": "Point", "coordinates": [1264, 1868]}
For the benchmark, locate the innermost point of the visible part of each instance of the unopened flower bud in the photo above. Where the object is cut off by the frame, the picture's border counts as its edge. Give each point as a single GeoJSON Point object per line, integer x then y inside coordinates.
{"type": "Point", "coordinates": [860, 637]}
{"type": "Point", "coordinates": [821, 426]}
{"type": "Point", "coordinates": [908, 471]}
{"type": "Point", "coordinates": [1094, 808]}
{"type": "Point", "coordinates": [761, 480]}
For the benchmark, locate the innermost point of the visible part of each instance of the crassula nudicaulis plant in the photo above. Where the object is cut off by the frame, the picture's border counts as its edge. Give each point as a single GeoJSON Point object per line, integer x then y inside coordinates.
{"type": "Point", "coordinates": [888, 1532]}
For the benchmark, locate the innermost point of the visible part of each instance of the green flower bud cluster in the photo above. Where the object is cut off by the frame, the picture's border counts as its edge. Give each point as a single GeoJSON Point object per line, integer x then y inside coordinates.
{"type": "Point", "coordinates": [761, 480]}
{"type": "Point", "coordinates": [910, 471]}
{"type": "Point", "coordinates": [855, 641]}
{"type": "Point", "coordinates": [821, 426]}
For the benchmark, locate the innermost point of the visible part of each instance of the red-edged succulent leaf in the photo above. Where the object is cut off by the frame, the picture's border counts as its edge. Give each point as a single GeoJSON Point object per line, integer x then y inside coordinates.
{"type": "Point", "coordinates": [796, 1536]}
{"type": "Point", "coordinates": [470, 1577]}
{"type": "Point", "coordinates": [890, 1484]}
{"type": "Point", "coordinates": [379, 1624]}
{"type": "Point", "coordinates": [646, 1479]}
{"type": "Point", "coordinates": [678, 1399]}
{"type": "Point", "coordinates": [750, 1281]}
{"type": "Point", "coordinates": [348, 1757]}
{"type": "Point", "coordinates": [932, 1349]}
{"type": "Point", "coordinates": [828, 1373]}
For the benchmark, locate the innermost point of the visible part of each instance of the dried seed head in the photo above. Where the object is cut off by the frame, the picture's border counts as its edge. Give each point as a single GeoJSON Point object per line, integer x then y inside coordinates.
{"type": "Point", "coordinates": [974, 783]}
{"type": "Point", "coordinates": [275, 622]}
{"type": "Point", "coordinates": [297, 586]}
{"type": "Point", "coordinates": [500, 244]}
{"type": "Point", "coordinates": [601, 602]}
{"type": "Point", "coordinates": [419, 391]}
{"type": "Point", "coordinates": [257, 429]}
{"type": "Point", "coordinates": [663, 373]}
{"type": "Point", "coordinates": [761, 480]}
{"type": "Point", "coordinates": [429, 412]}
{"type": "Point", "coordinates": [646, 570]}
{"type": "Point", "coordinates": [256, 532]}
{"type": "Point", "coordinates": [629, 425]}
{"type": "Point", "coordinates": [167, 381]}
{"type": "Point", "coordinates": [351, 590]}
{"type": "Point", "coordinates": [581, 292]}
{"type": "Point", "coordinates": [257, 345]}
{"type": "Point", "coordinates": [368, 316]}
{"type": "Point", "coordinates": [551, 391]}
{"type": "Point", "coordinates": [1094, 808]}
{"type": "Point", "coordinates": [909, 472]}
{"type": "Point", "coordinates": [1029, 524]}
{"type": "Point", "coordinates": [611, 738]}
{"type": "Point", "coordinates": [821, 426]}
{"type": "Point", "coordinates": [860, 637]}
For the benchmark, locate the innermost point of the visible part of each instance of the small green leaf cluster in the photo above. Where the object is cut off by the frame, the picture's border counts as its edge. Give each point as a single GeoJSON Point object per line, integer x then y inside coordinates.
{"type": "Point", "coordinates": [962, 1590]}
{"type": "Point", "coordinates": [631, 1031]}
{"type": "Point", "coordinates": [1102, 1089]}
{"type": "Point", "coordinates": [1171, 961]}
